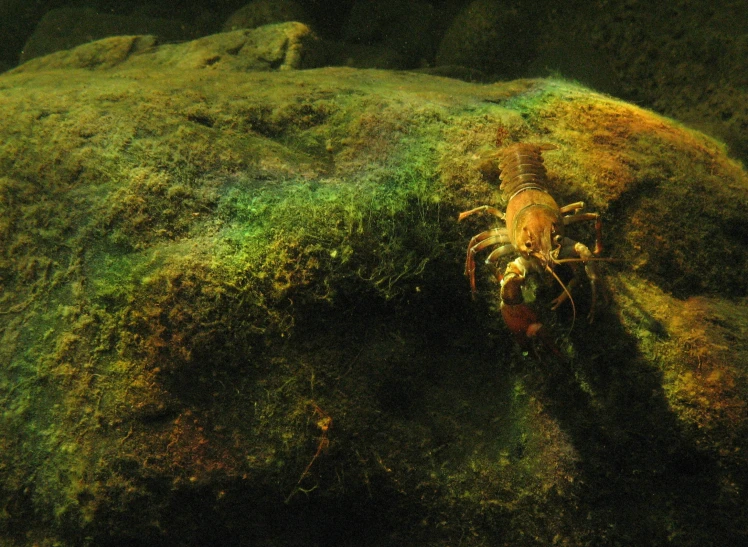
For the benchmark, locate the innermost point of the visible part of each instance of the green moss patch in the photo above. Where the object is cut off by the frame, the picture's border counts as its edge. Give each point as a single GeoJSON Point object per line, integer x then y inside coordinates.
{"type": "Point", "coordinates": [242, 297]}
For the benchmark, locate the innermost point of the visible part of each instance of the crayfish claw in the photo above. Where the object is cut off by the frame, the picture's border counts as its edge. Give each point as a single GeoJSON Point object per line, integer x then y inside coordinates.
{"type": "Point", "coordinates": [527, 329]}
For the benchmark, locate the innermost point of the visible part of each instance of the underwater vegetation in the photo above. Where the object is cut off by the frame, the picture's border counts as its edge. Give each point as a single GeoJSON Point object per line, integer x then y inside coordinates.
{"type": "Point", "coordinates": [233, 309]}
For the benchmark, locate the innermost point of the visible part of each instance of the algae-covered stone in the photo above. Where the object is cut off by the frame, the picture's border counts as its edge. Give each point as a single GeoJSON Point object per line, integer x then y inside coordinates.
{"type": "Point", "coordinates": [265, 12]}
{"type": "Point", "coordinates": [493, 36]}
{"type": "Point", "coordinates": [101, 54]}
{"type": "Point", "coordinates": [283, 46]}
{"type": "Point", "coordinates": [65, 28]}
{"type": "Point", "coordinates": [233, 311]}
{"type": "Point", "coordinates": [403, 27]}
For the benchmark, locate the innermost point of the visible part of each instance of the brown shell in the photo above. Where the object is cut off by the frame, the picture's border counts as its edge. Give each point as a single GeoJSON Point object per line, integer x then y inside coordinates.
{"type": "Point", "coordinates": [521, 165]}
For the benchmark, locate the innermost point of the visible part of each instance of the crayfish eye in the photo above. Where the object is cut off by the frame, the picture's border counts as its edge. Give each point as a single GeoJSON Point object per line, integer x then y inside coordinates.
{"type": "Point", "coordinates": [557, 239]}
{"type": "Point", "coordinates": [528, 244]}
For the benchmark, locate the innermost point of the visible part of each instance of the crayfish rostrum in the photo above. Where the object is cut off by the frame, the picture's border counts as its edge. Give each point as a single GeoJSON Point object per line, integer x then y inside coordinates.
{"type": "Point", "coordinates": [535, 230]}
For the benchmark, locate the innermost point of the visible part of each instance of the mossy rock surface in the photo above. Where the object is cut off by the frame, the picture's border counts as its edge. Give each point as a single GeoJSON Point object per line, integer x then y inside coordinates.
{"type": "Point", "coordinates": [233, 310]}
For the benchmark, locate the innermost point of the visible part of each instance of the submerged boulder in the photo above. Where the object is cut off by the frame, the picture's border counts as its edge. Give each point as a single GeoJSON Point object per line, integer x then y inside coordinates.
{"type": "Point", "coordinates": [263, 12]}
{"type": "Point", "coordinates": [283, 46]}
{"type": "Point", "coordinates": [496, 37]}
{"type": "Point", "coordinates": [233, 310]}
{"type": "Point", "coordinates": [64, 28]}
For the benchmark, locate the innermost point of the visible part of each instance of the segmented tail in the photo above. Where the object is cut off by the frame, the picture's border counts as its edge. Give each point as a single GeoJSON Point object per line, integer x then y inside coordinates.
{"type": "Point", "coordinates": [522, 168]}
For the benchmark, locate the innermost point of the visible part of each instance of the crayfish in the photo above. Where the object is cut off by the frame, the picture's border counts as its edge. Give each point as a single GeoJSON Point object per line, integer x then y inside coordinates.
{"type": "Point", "coordinates": [535, 230]}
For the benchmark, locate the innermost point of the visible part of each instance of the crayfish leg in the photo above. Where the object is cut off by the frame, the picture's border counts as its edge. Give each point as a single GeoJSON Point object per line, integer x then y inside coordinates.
{"type": "Point", "coordinates": [571, 208]}
{"type": "Point", "coordinates": [582, 252]}
{"type": "Point", "coordinates": [573, 219]}
{"type": "Point", "coordinates": [487, 208]}
{"type": "Point", "coordinates": [496, 254]}
{"type": "Point", "coordinates": [497, 236]}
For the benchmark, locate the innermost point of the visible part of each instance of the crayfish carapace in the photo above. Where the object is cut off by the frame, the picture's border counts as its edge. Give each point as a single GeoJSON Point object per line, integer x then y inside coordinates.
{"type": "Point", "coordinates": [535, 230]}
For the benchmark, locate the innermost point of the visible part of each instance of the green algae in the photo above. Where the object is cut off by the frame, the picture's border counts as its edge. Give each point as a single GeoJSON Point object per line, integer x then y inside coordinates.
{"type": "Point", "coordinates": [196, 271]}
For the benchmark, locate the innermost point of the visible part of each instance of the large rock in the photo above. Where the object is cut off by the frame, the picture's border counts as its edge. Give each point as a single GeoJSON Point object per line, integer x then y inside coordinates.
{"type": "Point", "coordinates": [65, 28]}
{"type": "Point", "coordinates": [266, 12]}
{"type": "Point", "coordinates": [233, 311]}
{"type": "Point", "coordinates": [496, 37]}
{"type": "Point", "coordinates": [401, 27]}
{"type": "Point", "coordinates": [686, 60]}
{"type": "Point", "coordinates": [17, 21]}
{"type": "Point", "coordinates": [283, 46]}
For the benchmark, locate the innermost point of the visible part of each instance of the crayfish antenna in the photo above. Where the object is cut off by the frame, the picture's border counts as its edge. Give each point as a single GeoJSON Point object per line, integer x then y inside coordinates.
{"type": "Point", "coordinates": [590, 259]}
{"type": "Point", "coordinates": [568, 293]}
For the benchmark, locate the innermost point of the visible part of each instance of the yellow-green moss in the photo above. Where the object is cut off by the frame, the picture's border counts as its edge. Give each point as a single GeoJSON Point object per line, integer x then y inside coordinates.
{"type": "Point", "coordinates": [196, 271]}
